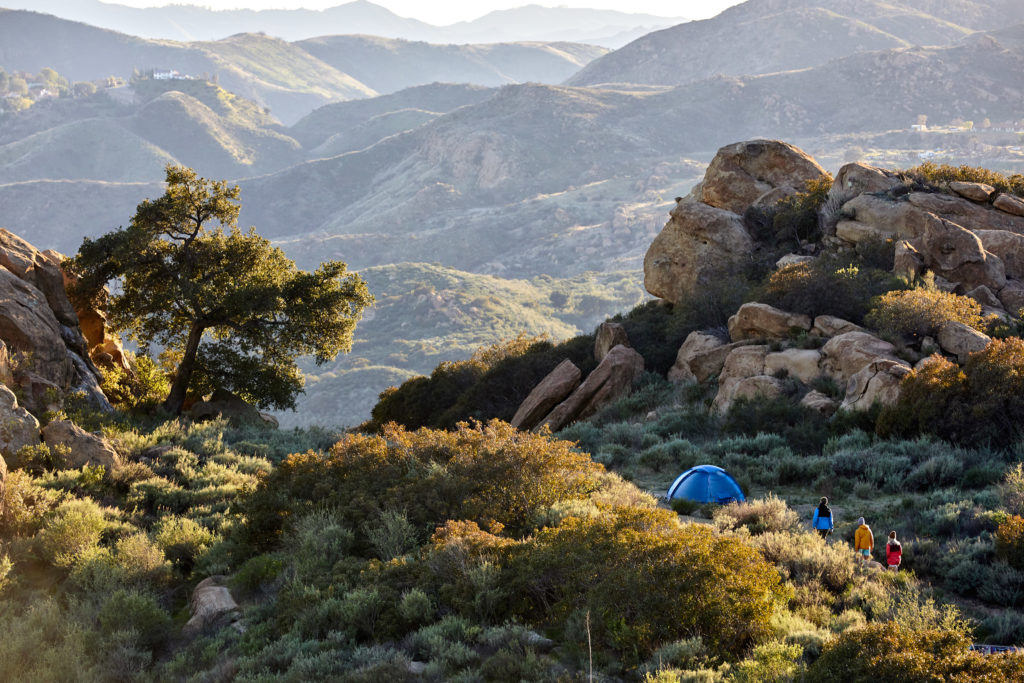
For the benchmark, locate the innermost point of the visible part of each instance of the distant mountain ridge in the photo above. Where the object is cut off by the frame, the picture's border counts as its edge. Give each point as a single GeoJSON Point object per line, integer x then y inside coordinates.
{"type": "Point", "coordinates": [291, 79]}
{"type": "Point", "coordinates": [186, 22]}
{"type": "Point", "coordinates": [782, 35]}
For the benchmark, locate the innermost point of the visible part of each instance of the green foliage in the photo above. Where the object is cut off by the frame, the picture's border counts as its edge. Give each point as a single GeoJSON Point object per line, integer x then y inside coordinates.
{"type": "Point", "coordinates": [917, 313]}
{"type": "Point", "coordinates": [757, 515]}
{"type": "Point", "coordinates": [72, 531]}
{"type": "Point", "coordinates": [794, 220]}
{"type": "Point", "coordinates": [182, 540]}
{"type": "Point", "coordinates": [938, 176]}
{"type": "Point", "coordinates": [135, 612]}
{"type": "Point", "coordinates": [893, 652]}
{"type": "Point", "coordinates": [1010, 541]}
{"type": "Point", "coordinates": [980, 402]}
{"type": "Point", "coordinates": [487, 473]}
{"type": "Point", "coordinates": [234, 310]}
{"type": "Point", "coordinates": [804, 429]}
{"type": "Point", "coordinates": [606, 565]}
{"type": "Point", "coordinates": [827, 286]}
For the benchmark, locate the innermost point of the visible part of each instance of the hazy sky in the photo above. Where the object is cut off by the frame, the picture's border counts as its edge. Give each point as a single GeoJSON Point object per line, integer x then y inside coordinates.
{"type": "Point", "coordinates": [449, 11]}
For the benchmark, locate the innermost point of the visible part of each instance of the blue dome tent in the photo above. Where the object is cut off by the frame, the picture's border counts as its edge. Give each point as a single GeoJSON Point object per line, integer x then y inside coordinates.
{"type": "Point", "coordinates": [705, 484]}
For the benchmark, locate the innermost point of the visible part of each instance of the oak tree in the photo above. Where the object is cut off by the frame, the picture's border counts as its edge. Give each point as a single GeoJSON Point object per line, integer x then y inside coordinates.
{"type": "Point", "coordinates": [233, 311]}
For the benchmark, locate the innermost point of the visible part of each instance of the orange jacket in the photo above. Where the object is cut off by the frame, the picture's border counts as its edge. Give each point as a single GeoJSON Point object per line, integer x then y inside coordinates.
{"type": "Point", "coordinates": [863, 539]}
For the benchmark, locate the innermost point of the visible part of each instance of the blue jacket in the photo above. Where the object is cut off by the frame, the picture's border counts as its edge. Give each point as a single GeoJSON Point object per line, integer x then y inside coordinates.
{"type": "Point", "coordinates": [820, 522]}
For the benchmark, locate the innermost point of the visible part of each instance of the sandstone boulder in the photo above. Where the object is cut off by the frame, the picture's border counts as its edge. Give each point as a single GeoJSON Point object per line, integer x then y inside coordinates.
{"type": "Point", "coordinates": [761, 321]}
{"type": "Point", "coordinates": [610, 380]}
{"type": "Point", "coordinates": [41, 270]}
{"type": "Point", "coordinates": [698, 243]}
{"type": "Point", "coordinates": [845, 355]}
{"type": "Point", "coordinates": [551, 391]}
{"type": "Point", "coordinates": [699, 358]}
{"type": "Point", "coordinates": [1012, 296]}
{"type": "Point", "coordinates": [958, 255]}
{"type": "Point", "coordinates": [609, 335]}
{"type": "Point", "coordinates": [831, 326]}
{"type": "Point", "coordinates": [18, 428]}
{"type": "Point", "coordinates": [908, 263]}
{"type": "Point", "coordinates": [742, 172]}
{"type": "Point", "coordinates": [793, 260]}
{"type": "Point", "coordinates": [1008, 246]}
{"type": "Point", "coordinates": [978, 192]}
{"type": "Point", "coordinates": [210, 601]}
{"type": "Point", "coordinates": [886, 217]}
{"type": "Point", "coordinates": [877, 382]}
{"type": "Point", "coordinates": [961, 340]}
{"type": "Point", "coordinates": [856, 232]}
{"type": "Point", "coordinates": [799, 363]}
{"type": "Point", "coordinates": [984, 296]}
{"type": "Point", "coordinates": [820, 403]}
{"type": "Point", "coordinates": [86, 448]}
{"type": "Point", "coordinates": [745, 361]}
{"type": "Point", "coordinates": [29, 327]}
{"type": "Point", "coordinates": [1009, 204]}
{"type": "Point", "coordinates": [736, 388]}
{"type": "Point", "coordinates": [858, 178]}
{"type": "Point", "coordinates": [966, 213]}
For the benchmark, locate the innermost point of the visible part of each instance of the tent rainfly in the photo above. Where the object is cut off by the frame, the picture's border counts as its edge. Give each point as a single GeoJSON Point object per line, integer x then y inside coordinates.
{"type": "Point", "coordinates": [706, 484]}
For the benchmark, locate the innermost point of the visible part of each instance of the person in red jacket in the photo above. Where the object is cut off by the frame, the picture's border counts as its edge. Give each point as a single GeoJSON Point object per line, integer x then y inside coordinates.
{"type": "Point", "coordinates": [893, 552]}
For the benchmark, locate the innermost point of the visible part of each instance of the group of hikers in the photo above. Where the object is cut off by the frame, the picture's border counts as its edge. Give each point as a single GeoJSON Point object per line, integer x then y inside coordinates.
{"type": "Point", "coordinates": [863, 539]}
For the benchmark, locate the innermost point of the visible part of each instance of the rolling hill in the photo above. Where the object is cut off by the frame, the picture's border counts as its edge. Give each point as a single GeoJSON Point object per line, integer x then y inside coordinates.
{"type": "Point", "coordinates": [769, 36]}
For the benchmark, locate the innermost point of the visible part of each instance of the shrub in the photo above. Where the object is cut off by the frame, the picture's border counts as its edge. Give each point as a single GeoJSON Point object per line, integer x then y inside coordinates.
{"type": "Point", "coordinates": [392, 535]}
{"type": "Point", "coordinates": [182, 541]}
{"type": "Point", "coordinates": [935, 176]}
{"type": "Point", "coordinates": [757, 515]}
{"type": "Point", "coordinates": [795, 219]}
{"type": "Point", "coordinates": [316, 543]}
{"type": "Point", "coordinates": [892, 652]}
{"type": "Point", "coordinates": [71, 532]}
{"type": "Point", "coordinates": [982, 402]}
{"type": "Point", "coordinates": [1010, 541]}
{"type": "Point", "coordinates": [1011, 491]}
{"type": "Point", "coordinates": [415, 607]}
{"type": "Point", "coordinates": [710, 585]}
{"type": "Point", "coordinates": [491, 474]}
{"type": "Point", "coordinates": [802, 428]}
{"type": "Point", "coordinates": [917, 313]}
{"type": "Point", "coordinates": [805, 557]}
{"type": "Point", "coordinates": [826, 286]}
{"type": "Point", "coordinates": [139, 613]}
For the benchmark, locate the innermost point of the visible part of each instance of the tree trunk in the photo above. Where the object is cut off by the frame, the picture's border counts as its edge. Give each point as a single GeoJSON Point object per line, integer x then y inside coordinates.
{"type": "Point", "coordinates": [176, 399]}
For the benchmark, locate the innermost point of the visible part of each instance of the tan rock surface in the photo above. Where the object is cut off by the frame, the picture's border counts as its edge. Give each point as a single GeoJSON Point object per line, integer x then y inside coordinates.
{"type": "Point", "coordinates": [1012, 296]}
{"type": "Point", "coordinates": [86, 448]}
{"type": "Point", "coordinates": [845, 355]}
{"type": "Point", "coordinates": [18, 428]}
{"type": "Point", "coordinates": [819, 402]}
{"type": "Point", "coordinates": [877, 382]}
{"type": "Point", "coordinates": [549, 392]}
{"type": "Point", "coordinates": [966, 213]}
{"type": "Point", "coordinates": [856, 232]}
{"type": "Point", "coordinates": [830, 326]}
{"type": "Point", "coordinates": [799, 363]}
{"type": "Point", "coordinates": [984, 296]}
{"type": "Point", "coordinates": [609, 335]}
{"type": "Point", "coordinates": [761, 321]}
{"type": "Point", "coordinates": [857, 178]}
{"type": "Point", "coordinates": [743, 171]}
{"type": "Point", "coordinates": [697, 243]}
{"type": "Point", "coordinates": [891, 217]}
{"type": "Point", "coordinates": [961, 340]}
{"type": "Point", "coordinates": [1009, 204]}
{"type": "Point", "coordinates": [210, 600]}
{"type": "Point", "coordinates": [28, 326]}
{"type": "Point", "coordinates": [735, 388]}
{"type": "Point", "coordinates": [978, 192]}
{"type": "Point", "coordinates": [745, 361]}
{"type": "Point", "coordinates": [610, 380]}
{"type": "Point", "coordinates": [1008, 246]}
{"type": "Point", "coordinates": [908, 263]}
{"type": "Point", "coordinates": [40, 269]}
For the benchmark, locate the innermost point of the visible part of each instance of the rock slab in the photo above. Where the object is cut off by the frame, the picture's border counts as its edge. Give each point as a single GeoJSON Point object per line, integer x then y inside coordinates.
{"type": "Point", "coordinates": [551, 391]}
{"type": "Point", "coordinates": [611, 379]}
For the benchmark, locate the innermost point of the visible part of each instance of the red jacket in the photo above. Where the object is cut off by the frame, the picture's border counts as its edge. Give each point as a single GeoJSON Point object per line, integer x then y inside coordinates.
{"type": "Point", "coordinates": [893, 553]}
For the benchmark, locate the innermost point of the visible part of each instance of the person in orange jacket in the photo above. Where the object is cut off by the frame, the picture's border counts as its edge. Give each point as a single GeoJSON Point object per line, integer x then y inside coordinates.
{"type": "Point", "coordinates": [863, 540]}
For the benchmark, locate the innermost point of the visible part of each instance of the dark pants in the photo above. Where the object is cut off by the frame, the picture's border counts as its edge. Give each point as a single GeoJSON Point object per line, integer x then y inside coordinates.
{"type": "Point", "coordinates": [823, 532]}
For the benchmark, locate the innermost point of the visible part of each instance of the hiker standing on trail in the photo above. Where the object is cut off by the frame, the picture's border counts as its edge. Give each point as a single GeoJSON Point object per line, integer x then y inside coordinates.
{"type": "Point", "coordinates": [863, 540]}
{"type": "Point", "coordinates": [893, 552]}
{"type": "Point", "coordinates": [822, 520]}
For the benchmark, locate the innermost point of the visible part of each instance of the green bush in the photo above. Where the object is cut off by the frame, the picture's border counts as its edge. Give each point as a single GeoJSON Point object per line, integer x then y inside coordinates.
{"type": "Point", "coordinates": [72, 531]}
{"type": "Point", "coordinates": [1010, 541]}
{"type": "Point", "coordinates": [182, 540]}
{"type": "Point", "coordinates": [938, 176]}
{"type": "Point", "coordinates": [892, 652]}
{"type": "Point", "coordinates": [979, 403]}
{"type": "Point", "coordinates": [491, 474]}
{"type": "Point", "coordinates": [757, 515]}
{"type": "Point", "coordinates": [827, 286]}
{"type": "Point", "coordinates": [138, 613]}
{"type": "Point", "coordinates": [917, 313]}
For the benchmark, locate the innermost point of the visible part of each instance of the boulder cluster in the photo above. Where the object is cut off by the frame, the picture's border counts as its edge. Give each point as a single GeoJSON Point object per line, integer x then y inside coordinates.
{"type": "Point", "coordinates": [969, 237]}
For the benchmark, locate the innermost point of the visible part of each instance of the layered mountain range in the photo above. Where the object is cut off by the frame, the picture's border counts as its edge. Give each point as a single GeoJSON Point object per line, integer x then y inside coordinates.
{"type": "Point", "coordinates": [515, 182]}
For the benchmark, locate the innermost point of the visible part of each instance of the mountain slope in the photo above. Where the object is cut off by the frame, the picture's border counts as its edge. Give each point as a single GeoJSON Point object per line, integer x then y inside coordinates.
{"type": "Point", "coordinates": [768, 36]}
{"type": "Point", "coordinates": [387, 65]}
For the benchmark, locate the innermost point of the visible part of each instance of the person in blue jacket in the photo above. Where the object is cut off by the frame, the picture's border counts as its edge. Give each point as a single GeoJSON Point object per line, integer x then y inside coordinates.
{"type": "Point", "coordinates": [822, 521]}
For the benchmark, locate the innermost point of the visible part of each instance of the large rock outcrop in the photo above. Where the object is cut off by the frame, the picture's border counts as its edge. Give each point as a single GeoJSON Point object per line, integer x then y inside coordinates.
{"type": "Point", "coordinates": [551, 391]}
{"type": "Point", "coordinates": [211, 600]}
{"type": "Point", "coordinates": [39, 327]}
{"type": "Point", "coordinates": [18, 428]}
{"type": "Point", "coordinates": [609, 381]}
{"type": "Point", "coordinates": [697, 243]}
{"type": "Point", "coordinates": [742, 172]}
{"type": "Point", "coordinates": [761, 321]}
{"type": "Point", "coordinates": [609, 335]}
